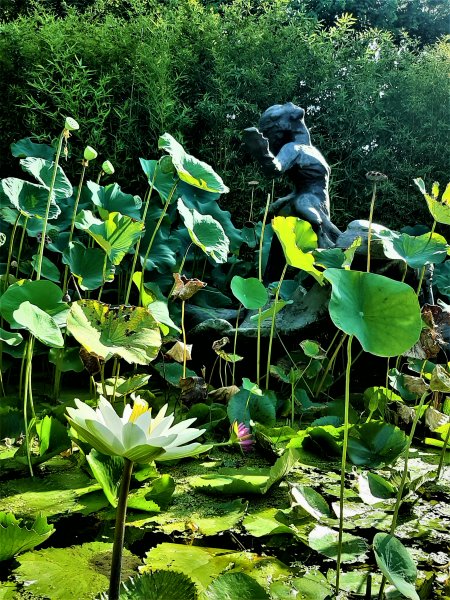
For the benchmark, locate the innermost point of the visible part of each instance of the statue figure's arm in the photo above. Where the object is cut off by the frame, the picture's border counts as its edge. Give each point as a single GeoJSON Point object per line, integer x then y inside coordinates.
{"type": "Point", "coordinates": [258, 146]}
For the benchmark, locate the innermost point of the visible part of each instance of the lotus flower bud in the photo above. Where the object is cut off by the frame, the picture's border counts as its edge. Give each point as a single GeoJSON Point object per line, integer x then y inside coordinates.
{"type": "Point", "coordinates": [90, 153]}
{"type": "Point", "coordinates": [71, 124]}
{"type": "Point", "coordinates": [107, 167]}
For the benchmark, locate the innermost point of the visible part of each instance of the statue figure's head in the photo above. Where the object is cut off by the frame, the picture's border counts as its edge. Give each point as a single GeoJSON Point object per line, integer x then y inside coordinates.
{"type": "Point", "coordinates": [282, 123]}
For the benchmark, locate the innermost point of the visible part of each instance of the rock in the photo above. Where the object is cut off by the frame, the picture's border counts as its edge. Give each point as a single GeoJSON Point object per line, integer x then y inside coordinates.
{"type": "Point", "coordinates": [360, 228]}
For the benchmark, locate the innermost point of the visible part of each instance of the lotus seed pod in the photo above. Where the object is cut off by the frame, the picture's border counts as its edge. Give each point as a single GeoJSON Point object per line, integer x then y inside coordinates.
{"type": "Point", "coordinates": [66, 298]}
{"type": "Point", "coordinates": [90, 153]}
{"type": "Point", "coordinates": [107, 167]}
{"type": "Point", "coordinates": [71, 124]}
{"type": "Point", "coordinates": [376, 176]}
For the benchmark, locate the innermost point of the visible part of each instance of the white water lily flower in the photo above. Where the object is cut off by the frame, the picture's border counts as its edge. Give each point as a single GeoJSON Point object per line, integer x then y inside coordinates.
{"type": "Point", "coordinates": [135, 435]}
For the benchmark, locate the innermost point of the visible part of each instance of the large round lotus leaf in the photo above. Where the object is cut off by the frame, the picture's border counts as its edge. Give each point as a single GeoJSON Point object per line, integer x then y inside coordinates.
{"type": "Point", "coordinates": [298, 240]}
{"type": "Point", "coordinates": [40, 324]}
{"type": "Point", "coordinates": [190, 169]}
{"type": "Point", "coordinates": [44, 294]}
{"type": "Point", "coordinates": [162, 182]}
{"type": "Point", "coordinates": [25, 147]}
{"type": "Point", "coordinates": [30, 199]}
{"type": "Point", "coordinates": [416, 251]}
{"type": "Point", "coordinates": [382, 313]}
{"type": "Point", "coordinates": [250, 292]}
{"type": "Point", "coordinates": [126, 331]}
{"type": "Point", "coordinates": [396, 564]}
{"type": "Point", "coordinates": [442, 278]}
{"type": "Point", "coordinates": [205, 232]}
{"type": "Point", "coordinates": [115, 233]}
{"type": "Point", "coordinates": [42, 170]}
{"type": "Point", "coordinates": [87, 265]}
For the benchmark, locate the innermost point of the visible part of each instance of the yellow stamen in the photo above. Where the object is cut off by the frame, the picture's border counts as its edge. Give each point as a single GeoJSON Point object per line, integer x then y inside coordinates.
{"type": "Point", "coordinates": [139, 408]}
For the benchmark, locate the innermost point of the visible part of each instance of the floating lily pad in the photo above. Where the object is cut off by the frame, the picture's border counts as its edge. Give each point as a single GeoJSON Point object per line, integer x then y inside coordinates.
{"type": "Point", "coordinates": [311, 586]}
{"type": "Point", "coordinates": [16, 538]}
{"type": "Point", "coordinates": [75, 572]}
{"type": "Point", "coordinates": [157, 585]}
{"type": "Point", "coordinates": [310, 500]}
{"type": "Point", "coordinates": [374, 489]}
{"type": "Point", "coordinates": [325, 540]}
{"type": "Point", "coordinates": [235, 585]}
{"type": "Point", "coordinates": [125, 331]}
{"type": "Point", "coordinates": [382, 313]}
{"type": "Point", "coordinates": [269, 521]}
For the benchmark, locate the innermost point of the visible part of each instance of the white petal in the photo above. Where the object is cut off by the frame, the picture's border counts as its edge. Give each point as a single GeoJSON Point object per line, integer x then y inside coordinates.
{"type": "Point", "coordinates": [144, 421]}
{"type": "Point", "coordinates": [181, 426]}
{"type": "Point", "coordinates": [160, 416]}
{"type": "Point", "coordinates": [162, 441]}
{"type": "Point", "coordinates": [174, 453]}
{"type": "Point", "coordinates": [111, 419]}
{"type": "Point", "coordinates": [132, 436]}
{"type": "Point", "coordinates": [126, 413]}
{"type": "Point", "coordinates": [163, 427]}
{"type": "Point", "coordinates": [105, 436]}
{"type": "Point", "coordinates": [186, 436]}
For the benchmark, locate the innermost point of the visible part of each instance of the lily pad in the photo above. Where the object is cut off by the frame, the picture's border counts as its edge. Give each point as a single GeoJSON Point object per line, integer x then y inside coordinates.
{"type": "Point", "coordinates": [235, 585]}
{"type": "Point", "coordinates": [310, 500]}
{"type": "Point", "coordinates": [325, 540]}
{"type": "Point", "coordinates": [267, 522]}
{"type": "Point", "coordinates": [75, 572]}
{"type": "Point", "coordinates": [125, 331]}
{"type": "Point", "coordinates": [190, 169]}
{"type": "Point", "coordinates": [157, 585]}
{"type": "Point", "coordinates": [374, 489]}
{"type": "Point", "coordinates": [382, 313]}
{"type": "Point", "coordinates": [16, 538]}
{"type": "Point", "coordinates": [205, 232]}
{"type": "Point", "coordinates": [311, 586]}
{"type": "Point", "coordinates": [396, 564]}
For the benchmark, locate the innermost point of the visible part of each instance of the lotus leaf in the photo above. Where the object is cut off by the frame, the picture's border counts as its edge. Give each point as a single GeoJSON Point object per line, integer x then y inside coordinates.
{"type": "Point", "coordinates": [325, 540]}
{"type": "Point", "coordinates": [235, 585]}
{"type": "Point", "coordinates": [116, 233]}
{"type": "Point", "coordinates": [125, 331]}
{"type": "Point", "coordinates": [42, 170]}
{"type": "Point", "coordinates": [382, 313]}
{"type": "Point", "coordinates": [112, 199]}
{"type": "Point", "coordinates": [205, 232]}
{"type": "Point", "coordinates": [415, 251]}
{"type": "Point", "coordinates": [375, 443]}
{"type": "Point", "coordinates": [439, 209]}
{"type": "Point", "coordinates": [396, 564]}
{"type": "Point", "coordinates": [189, 169]}
{"type": "Point", "coordinates": [28, 198]}
{"type": "Point", "coordinates": [25, 148]}
{"type": "Point", "coordinates": [442, 278]}
{"type": "Point", "coordinates": [88, 265]}
{"type": "Point", "coordinates": [298, 240]}
{"type": "Point", "coordinates": [157, 585]}
{"type": "Point", "coordinates": [39, 323]}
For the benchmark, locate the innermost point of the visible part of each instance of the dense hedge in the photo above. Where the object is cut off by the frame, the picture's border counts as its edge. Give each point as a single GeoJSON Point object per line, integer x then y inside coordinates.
{"type": "Point", "coordinates": [372, 103]}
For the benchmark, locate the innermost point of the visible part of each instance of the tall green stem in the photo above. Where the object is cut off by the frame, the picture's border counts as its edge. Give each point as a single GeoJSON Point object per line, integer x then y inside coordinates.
{"type": "Point", "coordinates": [138, 245]}
{"type": "Point", "coordinates": [155, 231]}
{"type": "Point", "coordinates": [422, 271]}
{"type": "Point", "coordinates": [330, 364]}
{"type": "Point", "coordinates": [444, 449]}
{"type": "Point", "coordinates": [10, 249]}
{"type": "Point", "coordinates": [272, 326]}
{"type": "Point", "coordinates": [47, 210]}
{"type": "Point", "coordinates": [183, 330]}
{"type": "Point", "coordinates": [72, 223]}
{"type": "Point", "coordinates": [398, 502]}
{"type": "Point", "coordinates": [261, 243]}
{"type": "Point", "coordinates": [344, 459]}
{"type": "Point", "coordinates": [119, 532]}
{"type": "Point", "coordinates": [369, 234]}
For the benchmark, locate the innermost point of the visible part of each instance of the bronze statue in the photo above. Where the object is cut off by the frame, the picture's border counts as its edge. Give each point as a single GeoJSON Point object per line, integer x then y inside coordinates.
{"type": "Point", "coordinates": [282, 144]}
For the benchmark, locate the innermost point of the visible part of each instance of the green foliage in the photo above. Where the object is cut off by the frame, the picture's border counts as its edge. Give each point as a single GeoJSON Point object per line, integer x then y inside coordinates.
{"type": "Point", "coordinates": [396, 564]}
{"type": "Point", "coordinates": [16, 538]}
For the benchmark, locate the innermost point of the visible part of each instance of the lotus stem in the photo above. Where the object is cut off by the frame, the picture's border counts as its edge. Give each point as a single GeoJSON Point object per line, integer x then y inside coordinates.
{"type": "Point", "coordinates": [344, 459]}
{"type": "Point", "coordinates": [49, 201]}
{"type": "Point", "coordinates": [261, 243]}
{"type": "Point", "coordinates": [10, 249]}
{"type": "Point", "coordinates": [183, 331]}
{"type": "Point", "coordinates": [235, 343]}
{"type": "Point", "coordinates": [72, 223]}
{"type": "Point", "coordinates": [138, 244]}
{"type": "Point", "coordinates": [422, 271]}
{"type": "Point", "coordinates": [26, 390]}
{"type": "Point", "coordinates": [444, 449]}
{"type": "Point", "coordinates": [158, 225]}
{"type": "Point", "coordinates": [330, 364]}
{"type": "Point", "coordinates": [119, 532]}
{"type": "Point", "coordinates": [272, 326]}
{"type": "Point", "coordinates": [369, 234]}
{"type": "Point", "coordinates": [403, 479]}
